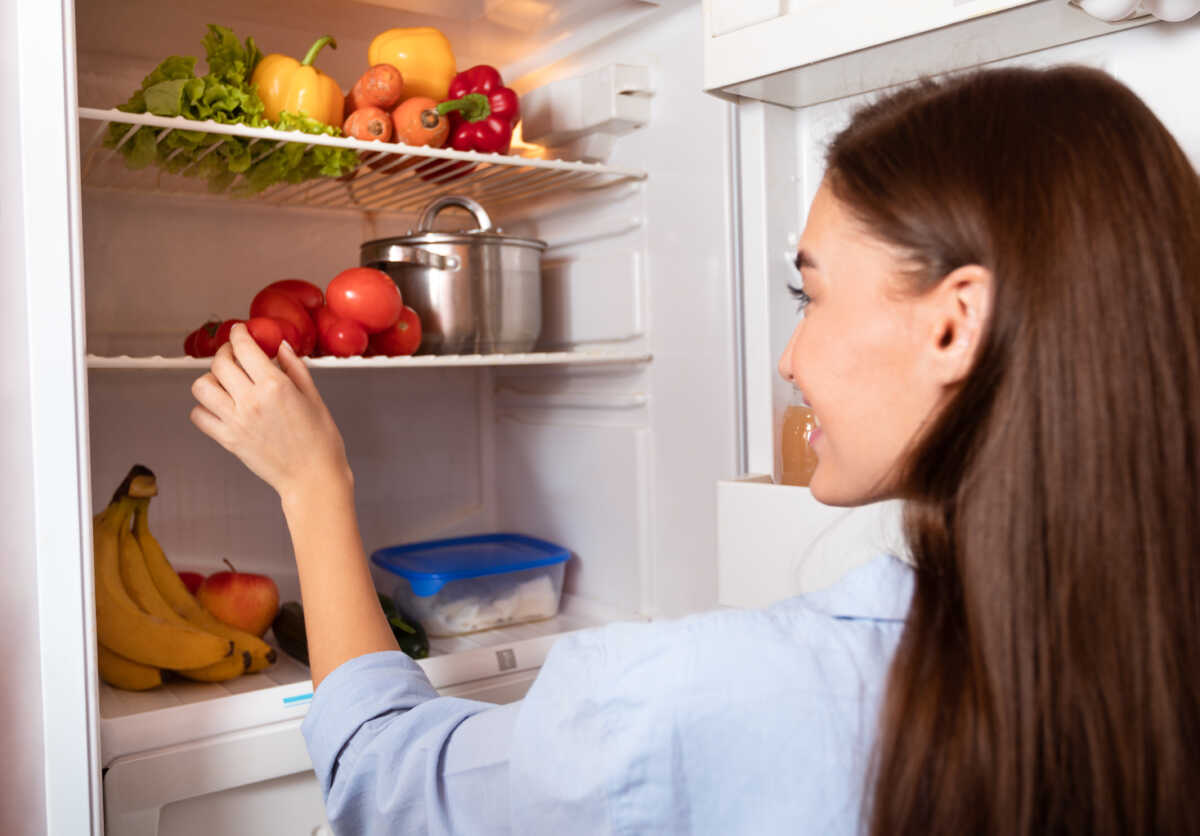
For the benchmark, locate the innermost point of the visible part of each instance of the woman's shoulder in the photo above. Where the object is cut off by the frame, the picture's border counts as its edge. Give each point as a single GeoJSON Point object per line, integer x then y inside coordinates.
{"type": "Point", "coordinates": [716, 716]}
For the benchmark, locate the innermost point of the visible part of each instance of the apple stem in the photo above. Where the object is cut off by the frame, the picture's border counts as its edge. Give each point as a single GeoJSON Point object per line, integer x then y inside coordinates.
{"type": "Point", "coordinates": [225, 560]}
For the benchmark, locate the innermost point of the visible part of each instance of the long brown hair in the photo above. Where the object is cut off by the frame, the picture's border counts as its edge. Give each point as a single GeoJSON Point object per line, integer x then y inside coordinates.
{"type": "Point", "coordinates": [1045, 682]}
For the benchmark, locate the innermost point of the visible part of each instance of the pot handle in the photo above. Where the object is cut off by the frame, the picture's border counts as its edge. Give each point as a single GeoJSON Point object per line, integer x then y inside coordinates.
{"type": "Point", "coordinates": [430, 212]}
{"type": "Point", "coordinates": [400, 254]}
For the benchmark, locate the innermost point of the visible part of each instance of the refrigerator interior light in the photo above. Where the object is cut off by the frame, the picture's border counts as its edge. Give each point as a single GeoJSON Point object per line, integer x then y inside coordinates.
{"type": "Point", "coordinates": [1110, 10]}
{"type": "Point", "coordinates": [1118, 10]}
{"type": "Point", "coordinates": [1172, 10]}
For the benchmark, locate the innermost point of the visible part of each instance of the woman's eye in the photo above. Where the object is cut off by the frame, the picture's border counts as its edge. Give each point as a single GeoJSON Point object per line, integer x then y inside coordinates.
{"type": "Point", "coordinates": [801, 298]}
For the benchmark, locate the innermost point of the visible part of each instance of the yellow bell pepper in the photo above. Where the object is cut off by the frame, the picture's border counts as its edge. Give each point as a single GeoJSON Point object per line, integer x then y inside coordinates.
{"type": "Point", "coordinates": [283, 83]}
{"type": "Point", "coordinates": [423, 56]}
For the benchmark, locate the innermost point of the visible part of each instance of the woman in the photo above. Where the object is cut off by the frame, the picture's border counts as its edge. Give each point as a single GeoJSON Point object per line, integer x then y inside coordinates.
{"type": "Point", "coordinates": [1001, 283]}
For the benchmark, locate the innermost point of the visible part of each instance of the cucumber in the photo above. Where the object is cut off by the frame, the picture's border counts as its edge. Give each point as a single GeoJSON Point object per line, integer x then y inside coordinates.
{"type": "Point", "coordinates": [289, 631]}
{"type": "Point", "coordinates": [409, 633]}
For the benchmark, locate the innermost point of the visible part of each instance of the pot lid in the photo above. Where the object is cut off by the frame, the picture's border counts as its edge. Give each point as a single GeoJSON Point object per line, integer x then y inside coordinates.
{"type": "Point", "coordinates": [484, 234]}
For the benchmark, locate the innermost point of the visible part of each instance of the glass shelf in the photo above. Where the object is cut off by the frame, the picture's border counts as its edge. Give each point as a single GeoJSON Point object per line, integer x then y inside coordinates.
{"type": "Point", "coordinates": [391, 177]}
{"type": "Point", "coordinates": [556, 358]}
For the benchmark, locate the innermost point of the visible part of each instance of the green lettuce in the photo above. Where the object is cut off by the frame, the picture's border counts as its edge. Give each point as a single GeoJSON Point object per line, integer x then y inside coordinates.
{"type": "Point", "coordinates": [224, 95]}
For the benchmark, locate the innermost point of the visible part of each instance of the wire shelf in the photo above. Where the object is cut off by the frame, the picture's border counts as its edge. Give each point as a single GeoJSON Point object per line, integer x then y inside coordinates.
{"type": "Point", "coordinates": [548, 358]}
{"type": "Point", "coordinates": [390, 177]}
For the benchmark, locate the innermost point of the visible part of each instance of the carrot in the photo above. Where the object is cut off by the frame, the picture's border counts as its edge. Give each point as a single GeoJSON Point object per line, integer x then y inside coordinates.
{"type": "Point", "coordinates": [368, 123]}
{"type": "Point", "coordinates": [417, 122]}
{"type": "Point", "coordinates": [381, 86]}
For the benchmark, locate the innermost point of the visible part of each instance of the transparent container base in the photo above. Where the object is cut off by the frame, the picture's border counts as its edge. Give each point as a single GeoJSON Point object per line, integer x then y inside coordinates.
{"type": "Point", "coordinates": [473, 605]}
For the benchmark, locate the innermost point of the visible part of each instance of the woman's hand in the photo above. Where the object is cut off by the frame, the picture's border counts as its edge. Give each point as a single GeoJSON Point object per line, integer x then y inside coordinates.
{"type": "Point", "coordinates": [271, 417]}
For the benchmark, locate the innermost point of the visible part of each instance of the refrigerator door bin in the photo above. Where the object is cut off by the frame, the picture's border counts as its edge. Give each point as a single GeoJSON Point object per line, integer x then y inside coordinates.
{"type": "Point", "coordinates": [776, 541]}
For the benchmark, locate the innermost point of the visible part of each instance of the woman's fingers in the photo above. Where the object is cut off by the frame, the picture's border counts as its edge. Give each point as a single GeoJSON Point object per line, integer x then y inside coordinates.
{"type": "Point", "coordinates": [249, 355]}
{"type": "Point", "coordinates": [294, 368]}
{"type": "Point", "coordinates": [229, 374]}
{"type": "Point", "coordinates": [211, 395]}
{"type": "Point", "coordinates": [209, 424]}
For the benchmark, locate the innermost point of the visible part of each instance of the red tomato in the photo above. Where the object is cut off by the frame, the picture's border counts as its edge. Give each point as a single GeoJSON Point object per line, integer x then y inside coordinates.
{"type": "Point", "coordinates": [344, 338]}
{"type": "Point", "coordinates": [222, 335]}
{"type": "Point", "coordinates": [366, 295]}
{"type": "Point", "coordinates": [306, 293]}
{"type": "Point", "coordinates": [267, 332]}
{"type": "Point", "coordinates": [323, 317]}
{"type": "Point", "coordinates": [293, 336]}
{"type": "Point", "coordinates": [280, 305]}
{"type": "Point", "coordinates": [201, 342]}
{"type": "Point", "coordinates": [401, 339]}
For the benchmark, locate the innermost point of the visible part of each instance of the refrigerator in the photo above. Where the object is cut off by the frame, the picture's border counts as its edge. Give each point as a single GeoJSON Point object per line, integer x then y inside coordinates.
{"type": "Point", "coordinates": [667, 156]}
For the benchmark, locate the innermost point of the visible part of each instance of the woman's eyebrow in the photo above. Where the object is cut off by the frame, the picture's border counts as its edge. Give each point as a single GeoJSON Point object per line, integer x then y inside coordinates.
{"type": "Point", "coordinates": [804, 260]}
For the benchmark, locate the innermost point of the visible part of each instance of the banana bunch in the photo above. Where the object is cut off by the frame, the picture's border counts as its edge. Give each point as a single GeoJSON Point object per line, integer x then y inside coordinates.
{"type": "Point", "coordinates": [146, 620]}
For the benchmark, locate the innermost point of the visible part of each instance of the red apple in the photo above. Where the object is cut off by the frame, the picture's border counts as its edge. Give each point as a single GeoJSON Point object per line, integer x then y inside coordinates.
{"type": "Point", "coordinates": [243, 600]}
{"type": "Point", "coordinates": [191, 580]}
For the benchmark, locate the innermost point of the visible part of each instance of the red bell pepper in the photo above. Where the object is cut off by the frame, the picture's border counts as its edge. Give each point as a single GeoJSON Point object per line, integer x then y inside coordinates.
{"type": "Point", "coordinates": [483, 112]}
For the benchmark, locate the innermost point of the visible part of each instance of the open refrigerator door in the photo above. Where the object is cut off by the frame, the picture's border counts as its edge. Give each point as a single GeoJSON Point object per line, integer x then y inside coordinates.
{"type": "Point", "coordinates": [794, 92]}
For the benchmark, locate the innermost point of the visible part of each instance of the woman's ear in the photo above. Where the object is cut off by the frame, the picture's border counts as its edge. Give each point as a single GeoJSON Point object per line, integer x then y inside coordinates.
{"type": "Point", "coordinates": [959, 309]}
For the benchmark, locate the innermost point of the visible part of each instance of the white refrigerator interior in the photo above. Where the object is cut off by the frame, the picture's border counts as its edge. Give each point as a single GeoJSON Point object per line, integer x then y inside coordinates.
{"type": "Point", "coordinates": [641, 433]}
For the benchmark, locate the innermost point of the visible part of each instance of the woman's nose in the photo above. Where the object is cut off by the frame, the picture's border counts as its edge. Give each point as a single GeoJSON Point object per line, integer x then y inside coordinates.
{"type": "Point", "coordinates": [785, 359]}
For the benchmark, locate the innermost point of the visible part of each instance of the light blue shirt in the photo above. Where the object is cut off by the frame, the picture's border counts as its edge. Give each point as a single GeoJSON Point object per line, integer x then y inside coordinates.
{"type": "Point", "coordinates": [726, 722]}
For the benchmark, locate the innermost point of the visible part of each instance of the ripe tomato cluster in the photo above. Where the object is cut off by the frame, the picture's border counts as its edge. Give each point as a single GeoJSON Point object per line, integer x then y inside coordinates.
{"type": "Point", "coordinates": [360, 312]}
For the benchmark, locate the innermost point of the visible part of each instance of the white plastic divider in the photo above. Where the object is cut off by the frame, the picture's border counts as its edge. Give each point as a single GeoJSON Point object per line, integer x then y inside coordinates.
{"type": "Point", "coordinates": [182, 711]}
{"type": "Point", "coordinates": [556, 358]}
{"type": "Point", "coordinates": [391, 177]}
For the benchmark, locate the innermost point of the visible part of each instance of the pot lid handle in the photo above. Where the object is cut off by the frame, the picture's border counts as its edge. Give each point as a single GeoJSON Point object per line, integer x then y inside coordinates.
{"type": "Point", "coordinates": [430, 212]}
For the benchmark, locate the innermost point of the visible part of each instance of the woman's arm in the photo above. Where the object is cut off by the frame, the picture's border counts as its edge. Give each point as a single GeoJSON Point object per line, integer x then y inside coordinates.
{"type": "Point", "coordinates": [273, 419]}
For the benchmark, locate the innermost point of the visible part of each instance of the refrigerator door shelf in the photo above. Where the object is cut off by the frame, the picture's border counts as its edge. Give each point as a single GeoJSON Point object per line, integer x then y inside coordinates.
{"type": "Point", "coordinates": [181, 712]}
{"type": "Point", "coordinates": [776, 541]}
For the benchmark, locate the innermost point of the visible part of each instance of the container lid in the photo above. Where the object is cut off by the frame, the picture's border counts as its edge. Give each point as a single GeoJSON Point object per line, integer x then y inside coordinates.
{"type": "Point", "coordinates": [431, 564]}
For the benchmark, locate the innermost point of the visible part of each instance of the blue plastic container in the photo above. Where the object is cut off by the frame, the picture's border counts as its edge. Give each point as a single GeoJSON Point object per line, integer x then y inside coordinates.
{"type": "Point", "coordinates": [467, 584]}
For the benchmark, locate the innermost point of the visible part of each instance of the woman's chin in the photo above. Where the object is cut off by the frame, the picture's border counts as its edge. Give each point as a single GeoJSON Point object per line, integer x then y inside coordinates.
{"type": "Point", "coordinates": [827, 490]}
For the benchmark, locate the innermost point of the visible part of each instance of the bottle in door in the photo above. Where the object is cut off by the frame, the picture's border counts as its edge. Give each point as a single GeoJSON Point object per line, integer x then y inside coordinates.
{"type": "Point", "coordinates": [799, 460]}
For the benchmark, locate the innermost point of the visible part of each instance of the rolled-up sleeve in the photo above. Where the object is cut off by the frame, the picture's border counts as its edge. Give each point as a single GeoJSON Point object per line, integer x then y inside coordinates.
{"type": "Point", "coordinates": [392, 757]}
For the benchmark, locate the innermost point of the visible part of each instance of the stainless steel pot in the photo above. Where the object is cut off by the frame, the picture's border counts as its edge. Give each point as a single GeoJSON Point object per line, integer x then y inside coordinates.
{"type": "Point", "coordinates": [477, 291]}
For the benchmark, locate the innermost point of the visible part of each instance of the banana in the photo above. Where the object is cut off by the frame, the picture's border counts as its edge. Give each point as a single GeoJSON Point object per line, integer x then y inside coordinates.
{"type": "Point", "coordinates": [176, 594]}
{"type": "Point", "coordinates": [120, 672]}
{"type": "Point", "coordinates": [123, 628]}
{"type": "Point", "coordinates": [136, 578]}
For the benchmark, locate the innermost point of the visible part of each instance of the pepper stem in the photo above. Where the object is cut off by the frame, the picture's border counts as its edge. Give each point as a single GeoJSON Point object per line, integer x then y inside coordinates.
{"type": "Point", "coordinates": [473, 107]}
{"type": "Point", "coordinates": [317, 47]}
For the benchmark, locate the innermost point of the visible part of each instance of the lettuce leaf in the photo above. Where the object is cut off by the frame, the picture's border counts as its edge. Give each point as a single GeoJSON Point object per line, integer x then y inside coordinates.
{"type": "Point", "coordinates": [224, 95]}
